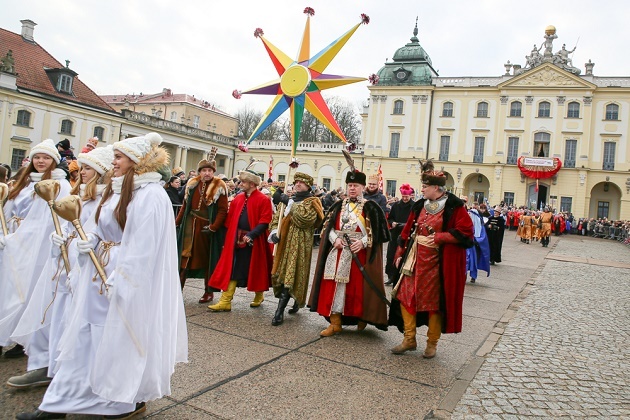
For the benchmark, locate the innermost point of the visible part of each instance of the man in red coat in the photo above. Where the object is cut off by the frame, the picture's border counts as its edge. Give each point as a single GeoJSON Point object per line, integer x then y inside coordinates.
{"type": "Point", "coordinates": [246, 259]}
{"type": "Point", "coordinates": [433, 243]}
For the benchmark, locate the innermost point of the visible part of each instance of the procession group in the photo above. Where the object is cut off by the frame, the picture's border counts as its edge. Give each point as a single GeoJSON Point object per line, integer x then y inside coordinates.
{"type": "Point", "coordinates": [94, 301]}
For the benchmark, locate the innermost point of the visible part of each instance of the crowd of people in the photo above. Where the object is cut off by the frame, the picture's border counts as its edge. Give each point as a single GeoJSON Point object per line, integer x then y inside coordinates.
{"type": "Point", "coordinates": [106, 333]}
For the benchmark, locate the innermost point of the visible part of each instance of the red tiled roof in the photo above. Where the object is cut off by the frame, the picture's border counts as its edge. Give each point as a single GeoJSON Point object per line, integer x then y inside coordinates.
{"type": "Point", "coordinates": [31, 60]}
{"type": "Point", "coordinates": [165, 96]}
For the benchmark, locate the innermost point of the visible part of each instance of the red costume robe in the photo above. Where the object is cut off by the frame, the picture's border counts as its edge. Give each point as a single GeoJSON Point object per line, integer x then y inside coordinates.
{"type": "Point", "coordinates": [258, 211]}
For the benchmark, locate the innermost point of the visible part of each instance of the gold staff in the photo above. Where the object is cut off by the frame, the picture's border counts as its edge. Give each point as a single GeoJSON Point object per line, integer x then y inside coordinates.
{"type": "Point", "coordinates": [48, 191]}
{"type": "Point", "coordinates": [4, 192]}
{"type": "Point", "coordinates": [69, 208]}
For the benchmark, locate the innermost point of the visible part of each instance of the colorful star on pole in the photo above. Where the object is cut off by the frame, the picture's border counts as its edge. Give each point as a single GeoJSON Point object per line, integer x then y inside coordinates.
{"type": "Point", "coordinates": [301, 82]}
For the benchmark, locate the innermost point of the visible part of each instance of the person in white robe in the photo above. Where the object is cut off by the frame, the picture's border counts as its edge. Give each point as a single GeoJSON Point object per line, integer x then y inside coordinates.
{"type": "Point", "coordinates": [119, 349]}
{"type": "Point", "coordinates": [45, 311]}
{"type": "Point", "coordinates": [25, 252]}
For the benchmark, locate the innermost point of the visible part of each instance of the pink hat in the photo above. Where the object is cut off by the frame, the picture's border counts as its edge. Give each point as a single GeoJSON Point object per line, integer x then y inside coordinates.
{"type": "Point", "coordinates": [405, 189]}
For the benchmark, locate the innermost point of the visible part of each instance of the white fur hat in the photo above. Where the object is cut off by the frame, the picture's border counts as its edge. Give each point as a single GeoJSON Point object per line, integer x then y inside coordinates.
{"type": "Point", "coordinates": [135, 148]}
{"type": "Point", "coordinates": [100, 159]}
{"type": "Point", "coordinates": [46, 147]}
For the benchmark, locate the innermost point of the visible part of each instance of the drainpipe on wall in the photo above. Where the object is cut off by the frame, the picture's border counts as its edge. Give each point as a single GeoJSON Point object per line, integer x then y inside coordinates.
{"type": "Point", "coordinates": [429, 128]}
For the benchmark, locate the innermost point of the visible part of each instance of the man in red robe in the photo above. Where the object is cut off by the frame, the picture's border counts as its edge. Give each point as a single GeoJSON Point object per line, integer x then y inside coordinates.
{"type": "Point", "coordinates": [340, 292]}
{"type": "Point", "coordinates": [246, 259]}
{"type": "Point", "coordinates": [432, 255]}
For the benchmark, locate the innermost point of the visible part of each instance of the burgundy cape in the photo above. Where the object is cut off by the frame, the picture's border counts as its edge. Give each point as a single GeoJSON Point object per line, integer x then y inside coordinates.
{"type": "Point", "coordinates": [452, 264]}
{"type": "Point", "coordinates": [258, 211]}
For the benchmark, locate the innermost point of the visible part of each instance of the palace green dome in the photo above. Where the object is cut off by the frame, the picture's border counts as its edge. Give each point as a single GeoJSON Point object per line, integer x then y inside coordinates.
{"type": "Point", "coordinates": [411, 66]}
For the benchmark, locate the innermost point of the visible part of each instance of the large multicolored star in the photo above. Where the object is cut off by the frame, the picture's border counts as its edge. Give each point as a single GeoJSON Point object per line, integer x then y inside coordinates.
{"type": "Point", "coordinates": [301, 82]}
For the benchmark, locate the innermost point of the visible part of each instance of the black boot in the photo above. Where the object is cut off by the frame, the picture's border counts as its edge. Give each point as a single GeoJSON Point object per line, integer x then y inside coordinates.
{"type": "Point", "coordinates": [38, 414]}
{"type": "Point", "coordinates": [278, 318]}
{"type": "Point", "coordinates": [15, 352]}
{"type": "Point", "coordinates": [295, 308]}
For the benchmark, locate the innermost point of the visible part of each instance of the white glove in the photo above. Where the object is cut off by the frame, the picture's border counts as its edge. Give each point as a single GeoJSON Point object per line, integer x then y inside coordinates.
{"type": "Point", "coordinates": [57, 242]}
{"type": "Point", "coordinates": [3, 242]}
{"type": "Point", "coordinates": [84, 247]}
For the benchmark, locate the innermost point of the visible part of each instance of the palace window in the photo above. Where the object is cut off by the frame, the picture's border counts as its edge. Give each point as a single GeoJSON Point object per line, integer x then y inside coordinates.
{"type": "Point", "coordinates": [99, 132]}
{"type": "Point", "coordinates": [516, 109]}
{"type": "Point", "coordinates": [65, 83]}
{"type": "Point", "coordinates": [508, 198]}
{"type": "Point", "coordinates": [196, 121]}
{"type": "Point", "coordinates": [174, 116]}
{"type": "Point", "coordinates": [544, 109]}
{"type": "Point", "coordinates": [512, 152]}
{"type": "Point", "coordinates": [570, 149]}
{"type": "Point", "coordinates": [394, 145]}
{"type": "Point", "coordinates": [326, 183]}
{"type": "Point", "coordinates": [573, 110]}
{"type": "Point", "coordinates": [17, 156]}
{"type": "Point", "coordinates": [482, 109]}
{"type": "Point", "coordinates": [447, 109]}
{"type": "Point", "coordinates": [444, 146]}
{"type": "Point", "coordinates": [390, 188]}
{"type": "Point", "coordinates": [541, 144]}
{"type": "Point", "coordinates": [66, 127]}
{"type": "Point", "coordinates": [23, 118]}
{"type": "Point", "coordinates": [479, 146]}
{"type": "Point", "coordinates": [612, 112]}
{"type": "Point", "coordinates": [609, 156]}
{"type": "Point", "coordinates": [602, 209]}
{"type": "Point", "coordinates": [565, 204]}
{"type": "Point", "coordinates": [398, 107]}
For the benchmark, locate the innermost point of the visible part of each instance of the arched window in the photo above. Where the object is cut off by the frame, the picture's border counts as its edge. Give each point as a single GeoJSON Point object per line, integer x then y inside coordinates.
{"type": "Point", "coordinates": [99, 132]}
{"type": "Point", "coordinates": [573, 110]}
{"type": "Point", "coordinates": [541, 144]}
{"type": "Point", "coordinates": [482, 109]}
{"type": "Point", "coordinates": [174, 116]}
{"type": "Point", "coordinates": [516, 108]}
{"type": "Point", "coordinates": [398, 107]}
{"type": "Point", "coordinates": [66, 127]}
{"type": "Point", "coordinates": [23, 118]}
{"type": "Point", "coordinates": [447, 109]}
{"type": "Point", "coordinates": [612, 112]}
{"type": "Point", "coordinates": [544, 109]}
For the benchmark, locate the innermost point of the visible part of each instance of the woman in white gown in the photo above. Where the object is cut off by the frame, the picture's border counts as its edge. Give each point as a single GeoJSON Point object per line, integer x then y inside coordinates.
{"type": "Point", "coordinates": [25, 252]}
{"type": "Point", "coordinates": [45, 311]}
{"type": "Point", "coordinates": [120, 348]}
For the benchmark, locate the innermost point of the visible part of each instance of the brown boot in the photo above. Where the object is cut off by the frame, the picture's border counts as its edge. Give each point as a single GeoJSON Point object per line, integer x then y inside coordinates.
{"type": "Point", "coordinates": [334, 327]}
{"type": "Point", "coordinates": [409, 340]}
{"type": "Point", "coordinates": [361, 325]}
{"type": "Point", "coordinates": [433, 335]}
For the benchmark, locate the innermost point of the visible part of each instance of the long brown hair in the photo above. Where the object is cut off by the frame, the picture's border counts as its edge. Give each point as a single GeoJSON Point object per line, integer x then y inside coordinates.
{"type": "Point", "coordinates": [126, 195]}
{"type": "Point", "coordinates": [24, 178]}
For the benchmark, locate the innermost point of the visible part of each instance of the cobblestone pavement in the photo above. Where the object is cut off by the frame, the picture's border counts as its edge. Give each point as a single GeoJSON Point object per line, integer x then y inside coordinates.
{"type": "Point", "coordinates": [565, 353]}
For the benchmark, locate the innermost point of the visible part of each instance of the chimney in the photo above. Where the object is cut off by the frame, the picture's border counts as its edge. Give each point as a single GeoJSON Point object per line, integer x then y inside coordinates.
{"type": "Point", "coordinates": [28, 26]}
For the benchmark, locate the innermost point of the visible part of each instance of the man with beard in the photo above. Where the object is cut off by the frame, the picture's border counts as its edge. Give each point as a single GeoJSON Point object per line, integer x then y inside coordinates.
{"type": "Point", "coordinates": [398, 216]}
{"type": "Point", "coordinates": [372, 193]}
{"type": "Point", "coordinates": [246, 258]}
{"type": "Point", "coordinates": [433, 242]}
{"type": "Point", "coordinates": [292, 263]}
{"type": "Point", "coordinates": [201, 219]}
{"type": "Point", "coordinates": [341, 293]}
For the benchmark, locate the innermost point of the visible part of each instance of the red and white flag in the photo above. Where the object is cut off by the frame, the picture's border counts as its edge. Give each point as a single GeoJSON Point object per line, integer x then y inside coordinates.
{"type": "Point", "coordinates": [380, 177]}
{"type": "Point", "coordinates": [270, 167]}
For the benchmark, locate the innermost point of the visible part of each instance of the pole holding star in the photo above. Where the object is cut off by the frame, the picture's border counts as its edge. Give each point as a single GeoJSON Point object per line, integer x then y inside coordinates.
{"type": "Point", "coordinates": [300, 83]}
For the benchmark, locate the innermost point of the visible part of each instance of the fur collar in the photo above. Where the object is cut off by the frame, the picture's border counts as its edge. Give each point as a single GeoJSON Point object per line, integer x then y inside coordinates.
{"type": "Point", "coordinates": [216, 188]}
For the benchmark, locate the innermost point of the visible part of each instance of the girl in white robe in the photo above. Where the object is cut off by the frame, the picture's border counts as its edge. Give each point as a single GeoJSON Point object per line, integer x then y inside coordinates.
{"type": "Point", "coordinates": [46, 309]}
{"type": "Point", "coordinates": [25, 252]}
{"type": "Point", "coordinates": [120, 348]}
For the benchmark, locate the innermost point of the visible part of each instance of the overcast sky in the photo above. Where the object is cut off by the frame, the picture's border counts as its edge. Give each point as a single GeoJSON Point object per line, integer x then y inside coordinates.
{"type": "Point", "coordinates": [207, 47]}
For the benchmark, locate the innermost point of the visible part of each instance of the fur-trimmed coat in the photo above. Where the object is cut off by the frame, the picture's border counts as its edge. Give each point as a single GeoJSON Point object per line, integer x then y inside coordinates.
{"type": "Point", "coordinates": [203, 250]}
{"type": "Point", "coordinates": [457, 223]}
{"type": "Point", "coordinates": [362, 303]}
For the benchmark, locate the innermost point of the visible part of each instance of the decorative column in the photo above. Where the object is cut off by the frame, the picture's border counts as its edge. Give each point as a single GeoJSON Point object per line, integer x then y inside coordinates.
{"type": "Point", "coordinates": [184, 157]}
{"type": "Point", "coordinates": [178, 156]}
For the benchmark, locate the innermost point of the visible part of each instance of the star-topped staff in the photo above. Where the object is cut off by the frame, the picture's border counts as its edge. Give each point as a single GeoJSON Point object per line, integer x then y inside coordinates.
{"type": "Point", "coordinates": [301, 82]}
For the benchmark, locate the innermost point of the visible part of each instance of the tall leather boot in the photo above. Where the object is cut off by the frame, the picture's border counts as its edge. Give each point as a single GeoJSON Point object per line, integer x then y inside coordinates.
{"type": "Point", "coordinates": [259, 298]}
{"type": "Point", "coordinates": [409, 339]}
{"type": "Point", "coordinates": [433, 335]}
{"type": "Point", "coordinates": [278, 317]}
{"type": "Point", "coordinates": [225, 302]}
{"type": "Point", "coordinates": [295, 307]}
{"type": "Point", "coordinates": [334, 327]}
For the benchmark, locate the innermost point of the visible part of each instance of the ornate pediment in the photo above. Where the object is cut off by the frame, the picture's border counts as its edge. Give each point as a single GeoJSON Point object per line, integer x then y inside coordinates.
{"type": "Point", "coordinates": [547, 76]}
